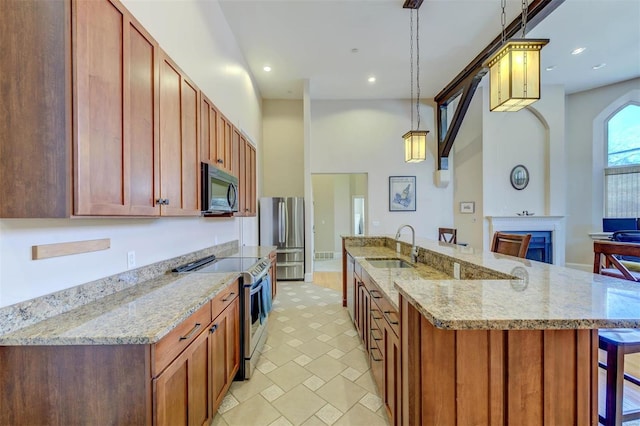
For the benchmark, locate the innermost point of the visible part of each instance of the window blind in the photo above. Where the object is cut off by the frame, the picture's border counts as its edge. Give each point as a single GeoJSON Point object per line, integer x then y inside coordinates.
{"type": "Point", "coordinates": [622, 191]}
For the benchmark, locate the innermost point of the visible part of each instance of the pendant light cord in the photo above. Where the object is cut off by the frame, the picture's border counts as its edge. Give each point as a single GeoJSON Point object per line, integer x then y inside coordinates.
{"type": "Point", "coordinates": [503, 21]}
{"type": "Point", "coordinates": [525, 10]}
{"type": "Point", "coordinates": [418, 66]}
{"type": "Point", "coordinates": [411, 61]}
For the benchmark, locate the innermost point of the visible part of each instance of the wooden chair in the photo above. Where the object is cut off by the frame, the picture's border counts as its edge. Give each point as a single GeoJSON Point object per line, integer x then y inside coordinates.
{"type": "Point", "coordinates": [448, 235]}
{"type": "Point", "coordinates": [616, 342]}
{"type": "Point", "coordinates": [511, 244]}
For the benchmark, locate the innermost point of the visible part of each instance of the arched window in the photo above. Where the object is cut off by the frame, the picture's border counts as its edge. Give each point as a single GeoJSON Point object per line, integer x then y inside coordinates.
{"type": "Point", "coordinates": [622, 174]}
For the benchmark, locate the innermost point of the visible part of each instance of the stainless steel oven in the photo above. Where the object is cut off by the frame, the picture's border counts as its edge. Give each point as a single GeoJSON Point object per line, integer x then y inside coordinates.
{"type": "Point", "coordinates": [255, 301]}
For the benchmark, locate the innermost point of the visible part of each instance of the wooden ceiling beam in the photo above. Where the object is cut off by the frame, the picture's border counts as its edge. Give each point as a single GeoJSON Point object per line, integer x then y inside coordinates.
{"type": "Point", "coordinates": [474, 71]}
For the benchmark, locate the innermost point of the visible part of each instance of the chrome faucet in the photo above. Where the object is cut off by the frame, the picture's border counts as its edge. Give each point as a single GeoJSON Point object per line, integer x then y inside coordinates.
{"type": "Point", "coordinates": [414, 249]}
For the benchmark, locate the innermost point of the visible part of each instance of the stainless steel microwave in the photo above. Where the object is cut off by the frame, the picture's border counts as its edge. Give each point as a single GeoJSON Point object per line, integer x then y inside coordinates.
{"type": "Point", "coordinates": [219, 191]}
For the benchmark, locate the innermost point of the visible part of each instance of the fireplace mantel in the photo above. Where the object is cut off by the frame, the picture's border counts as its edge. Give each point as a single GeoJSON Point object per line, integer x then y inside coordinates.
{"type": "Point", "coordinates": [555, 224]}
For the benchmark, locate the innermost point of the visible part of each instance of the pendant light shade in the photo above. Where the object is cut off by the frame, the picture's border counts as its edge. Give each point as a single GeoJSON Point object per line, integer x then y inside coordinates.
{"type": "Point", "coordinates": [415, 146]}
{"type": "Point", "coordinates": [515, 75]}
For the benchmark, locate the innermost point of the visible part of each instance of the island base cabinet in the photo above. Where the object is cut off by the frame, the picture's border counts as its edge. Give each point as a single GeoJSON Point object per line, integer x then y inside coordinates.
{"type": "Point", "coordinates": [496, 377]}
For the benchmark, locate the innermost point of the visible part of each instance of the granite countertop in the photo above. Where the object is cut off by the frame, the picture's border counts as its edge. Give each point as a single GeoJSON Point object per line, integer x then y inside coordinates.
{"type": "Point", "coordinates": [139, 314]}
{"type": "Point", "coordinates": [540, 295]}
{"type": "Point", "coordinates": [386, 277]}
{"type": "Point", "coordinates": [142, 314]}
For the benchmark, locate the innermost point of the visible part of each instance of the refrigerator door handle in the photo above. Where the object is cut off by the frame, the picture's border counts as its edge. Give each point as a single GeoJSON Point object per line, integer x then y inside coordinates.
{"type": "Point", "coordinates": [281, 228]}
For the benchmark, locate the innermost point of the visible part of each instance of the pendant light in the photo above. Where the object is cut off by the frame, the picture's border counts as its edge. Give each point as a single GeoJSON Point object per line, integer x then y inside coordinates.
{"type": "Point", "coordinates": [415, 141]}
{"type": "Point", "coordinates": [514, 70]}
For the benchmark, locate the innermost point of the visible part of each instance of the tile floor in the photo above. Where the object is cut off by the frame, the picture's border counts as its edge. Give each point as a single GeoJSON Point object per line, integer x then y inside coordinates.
{"type": "Point", "coordinates": [313, 372]}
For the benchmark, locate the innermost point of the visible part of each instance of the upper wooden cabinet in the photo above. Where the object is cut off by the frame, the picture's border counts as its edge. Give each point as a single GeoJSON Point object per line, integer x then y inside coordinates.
{"type": "Point", "coordinates": [179, 137]}
{"type": "Point", "coordinates": [225, 132]}
{"type": "Point", "coordinates": [208, 130]}
{"type": "Point", "coordinates": [35, 129]}
{"type": "Point", "coordinates": [247, 178]}
{"type": "Point", "coordinates": [115, 112]}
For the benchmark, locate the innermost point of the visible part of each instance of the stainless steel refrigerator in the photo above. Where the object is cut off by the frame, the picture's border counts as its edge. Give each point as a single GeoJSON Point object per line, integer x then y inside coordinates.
{"type": "Point", "coordinates": [282, 225]}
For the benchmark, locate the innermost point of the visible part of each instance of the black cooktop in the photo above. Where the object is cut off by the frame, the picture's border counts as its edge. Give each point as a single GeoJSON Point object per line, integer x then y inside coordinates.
{"type": "Point", "coordinates": [225, 264]}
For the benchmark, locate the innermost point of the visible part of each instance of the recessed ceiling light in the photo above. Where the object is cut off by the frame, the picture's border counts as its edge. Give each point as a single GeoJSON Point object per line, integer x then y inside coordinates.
{"type": "Point", "coordinates": [597, 67]}
{"type": "Point", "coordinates": [354, 50]}
{"type": "Point", "coordinates": [578, 51]}
{"type": "Point", "coordinates": [551, 67]}
{"type": "Point", "coordinates": [371, 80]}
{"type": "Point", "coordinates": [267, 68]}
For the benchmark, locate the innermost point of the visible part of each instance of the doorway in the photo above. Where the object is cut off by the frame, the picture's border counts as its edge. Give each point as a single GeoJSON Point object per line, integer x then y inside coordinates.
{"type": "Point", "coordinates": [339, 208]}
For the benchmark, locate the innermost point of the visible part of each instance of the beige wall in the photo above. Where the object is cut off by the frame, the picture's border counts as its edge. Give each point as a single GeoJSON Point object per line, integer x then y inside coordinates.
{"type": "Point", "coordinates": [584, 185]}
{"type": "Point", "coordinates": [283, 149]}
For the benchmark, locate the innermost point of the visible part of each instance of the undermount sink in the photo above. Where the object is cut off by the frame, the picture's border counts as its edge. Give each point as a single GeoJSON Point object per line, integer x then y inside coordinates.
{"type": "Point", "coordinates": [388, 263]}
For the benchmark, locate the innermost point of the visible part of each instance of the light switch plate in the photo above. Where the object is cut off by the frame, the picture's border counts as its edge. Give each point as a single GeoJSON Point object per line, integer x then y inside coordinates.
{"type": "Point", "coordinates": [456, 270]}
{"type": "Point", "coordinates": [131, 259]}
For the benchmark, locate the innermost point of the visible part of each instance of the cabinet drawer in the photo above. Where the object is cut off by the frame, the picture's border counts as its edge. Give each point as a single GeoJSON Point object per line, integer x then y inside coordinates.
{"type": "Point", "coordinates": [224, 298]}
{"type": "Point", "coordinates": [171, 345]}
{"type": "Point", "coordinates": [390, 315]}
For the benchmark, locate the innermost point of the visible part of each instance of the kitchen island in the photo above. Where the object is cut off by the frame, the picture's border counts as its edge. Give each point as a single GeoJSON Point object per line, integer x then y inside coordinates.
{"type": "Point", "coordinates": [511, 342]}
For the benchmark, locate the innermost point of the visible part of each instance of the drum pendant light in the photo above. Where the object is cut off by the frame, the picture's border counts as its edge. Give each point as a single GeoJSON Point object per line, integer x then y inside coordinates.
{"type": "Point", "coordinates": [514, 71]}
{"type": "Point", "coordinates": [415, 141]}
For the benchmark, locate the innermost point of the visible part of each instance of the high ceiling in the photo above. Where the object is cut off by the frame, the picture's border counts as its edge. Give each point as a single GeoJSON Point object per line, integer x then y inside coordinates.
{"type": "Point", "coordinates": [338, 44]}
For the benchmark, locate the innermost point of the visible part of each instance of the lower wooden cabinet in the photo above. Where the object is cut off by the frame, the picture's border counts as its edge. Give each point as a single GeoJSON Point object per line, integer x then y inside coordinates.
{"type": "Point", "coordinates": [182, 391]}
{"type": "Point", "coordinates": [378, 324]}
{"type": "Point", "coordinates": [179, 380]}
{"type": "Point", "coordinates": [273, 257]}
{"type": "Point", "coordinates": [225, 350]}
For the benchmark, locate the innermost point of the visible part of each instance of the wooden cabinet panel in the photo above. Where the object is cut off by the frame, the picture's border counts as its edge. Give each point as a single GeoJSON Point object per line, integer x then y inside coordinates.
{"type": "Point", "coordinates": [179, 157]}
{"type": "Point", "coordinates": [35, 130]}
{"type": "Point", "coordinates": [225, 350]}
{"type": "Point", "coordinates": [273, 257]}
{"type": "Point", "coordinates": [242, 178]}
{"type": "Point", "coordinates": [115, 140]}
{"type": "Point", "coordinates": [251, 179]}
{"type": "Point", "coordinates": [502, 377]}
{"type": "Point", "coordinates": [208, 130]}
{"type": "Point", "coordinates": [182, 391]}
{"type": "Point", "coordinates": [225, 131]}
{"type": "Point", "coordinates": [235, 152]}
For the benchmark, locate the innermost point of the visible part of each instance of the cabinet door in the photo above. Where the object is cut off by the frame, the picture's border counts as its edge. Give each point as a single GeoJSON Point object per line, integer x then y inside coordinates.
{"type": "Point", "coordinates": [183, 391]}
{"type": "Point", "coordinates": [392, 374]}
{"type": "Point", "coordinates": [35, 134]}
{"type": "Point", "coordinates": [224, 143]}
{"type": "Point", "coordinates": [179, 133]}
{"type": "Point", "coordinates": [208, 130]}
{"type": "Point", "coordinates": [115, 112]}
{"type": "Point", "coordinates": [225, 350]}
{"type": "Point", "coordinates": [235, 152]}
{"type": "Point", "coordinates": [242, 179]}
{"type": "Point", "coordinates": [273, 257]}
{"type": "Point", "coordinates": [250, 201]}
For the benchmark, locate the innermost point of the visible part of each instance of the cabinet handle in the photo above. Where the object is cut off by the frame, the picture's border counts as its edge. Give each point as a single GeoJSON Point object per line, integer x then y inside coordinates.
{"type": "Point", "coordinates": [220, 161]}
{"type": "Point", "coordinates": [376, 292]}
{"type": "Point", "coordinates": [373, 349]}
{"type": "Point", "coordinates": [226, 299]}
{"type": "Point", "coordinates": [373, 334]}
{"type": "Point", "coordinates": [213, 328]}
{"type": "Point", "coordinates": [388, 317]}
{"type": "Point", "coordinates": [166, 201]}
{"type": "Point", "coordinates": [190, 334]}
{"type": "Point", "coordinates": [373, 316]}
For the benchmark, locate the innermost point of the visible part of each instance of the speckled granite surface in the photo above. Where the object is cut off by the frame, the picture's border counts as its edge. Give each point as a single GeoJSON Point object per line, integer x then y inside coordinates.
{"type": "Point", "coordinates": [532, 295]}
{"type": "Point", "coordinates": [45, 318]}
{"type": "Point", "coordinates": [141, 314]}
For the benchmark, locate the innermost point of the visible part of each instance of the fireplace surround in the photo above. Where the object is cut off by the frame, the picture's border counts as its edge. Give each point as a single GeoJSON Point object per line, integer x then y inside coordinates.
{"type": "Point", "coordinates": [520, 224]}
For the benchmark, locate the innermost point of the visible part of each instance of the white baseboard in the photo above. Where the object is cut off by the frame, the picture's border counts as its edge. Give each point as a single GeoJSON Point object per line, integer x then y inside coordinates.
{"type": "Point", "coordinates": [579, 266]}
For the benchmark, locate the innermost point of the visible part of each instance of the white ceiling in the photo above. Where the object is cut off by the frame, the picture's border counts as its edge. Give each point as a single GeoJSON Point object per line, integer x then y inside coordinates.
{"type": "Point", "coordinates": [314, 39]}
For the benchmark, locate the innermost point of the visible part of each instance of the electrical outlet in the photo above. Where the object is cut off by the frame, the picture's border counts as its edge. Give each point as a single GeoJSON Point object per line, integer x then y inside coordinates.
{"type": "Point", "coordinates": [456, 270]}
{"type": "Point", "coordinates": [397, 247]}
{"type": "Point", "coordinates": [131, 259]}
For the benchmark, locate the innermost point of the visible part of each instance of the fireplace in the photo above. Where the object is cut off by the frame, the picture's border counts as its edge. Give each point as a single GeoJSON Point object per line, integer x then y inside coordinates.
{"type": "Point", "coordinates": [548, 235]}
{"type": "Point", "coordinates": [540, 246]}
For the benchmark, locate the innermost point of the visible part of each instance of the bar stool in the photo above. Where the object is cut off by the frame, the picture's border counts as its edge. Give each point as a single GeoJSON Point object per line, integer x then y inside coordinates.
{"type": "Point", "coordinates": [448, 235]}
{"type": "Point", "coordinates": [616, 342]}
